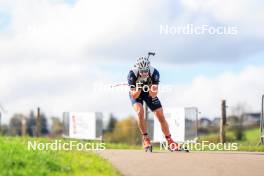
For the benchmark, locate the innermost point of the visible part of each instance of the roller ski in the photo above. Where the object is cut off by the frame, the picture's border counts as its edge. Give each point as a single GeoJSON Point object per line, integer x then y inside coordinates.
{"type": "Point", "coordinates": [175, 147]}
{"type": "Point", "coordinates": [147, 144]}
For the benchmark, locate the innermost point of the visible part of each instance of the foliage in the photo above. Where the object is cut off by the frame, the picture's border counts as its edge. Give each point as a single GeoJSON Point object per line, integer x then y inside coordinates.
{"type": "Point", "coordinates": [15, 124]}
{"type": "Point", "coordinates": [126, 131]}
{"type": "Point", "coordinates": [56, 127]}
{"type": "Point", "coordinates": [112, 124]}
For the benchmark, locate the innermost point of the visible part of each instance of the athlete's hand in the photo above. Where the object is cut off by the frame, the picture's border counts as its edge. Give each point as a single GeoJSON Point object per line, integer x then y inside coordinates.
{"type": "Point", "coordinates": [153, 91]}
{"type": "Point", "coordinates": [139, 85]}
{"type": "Point", "coordinates": [134, 92]}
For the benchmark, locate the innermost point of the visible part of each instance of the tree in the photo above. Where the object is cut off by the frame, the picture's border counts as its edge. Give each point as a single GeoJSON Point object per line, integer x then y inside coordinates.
{"type": "Point", "coordinates": [43, 125]}
{"type": "Point", "coordinates": [237, 120]}
{"type": "Point", "coordinates": [126, 131]}
{"type": "Point", "coordinates": [15, 125]}
{"type": "Point", "coordinates": [112, 123]}
{"type": "Point", "coordinates": [31, 124]}
{"type": "Point", "coordinates": [56, 127]}
{"type": "Point", "coordinates": [4, 130]}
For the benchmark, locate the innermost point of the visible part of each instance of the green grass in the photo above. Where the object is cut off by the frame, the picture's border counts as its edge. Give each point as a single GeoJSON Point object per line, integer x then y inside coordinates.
{"type": "Point", "coordinates": [250, 142]}
{"type": "Point", "coordinates": [251, 148]}
{"type": "Point", "coordinates": [17, 160]}
{"type": "Point", "coordinates": [251, 137]}
{"type": "Point", "coordinates": [122, 146]}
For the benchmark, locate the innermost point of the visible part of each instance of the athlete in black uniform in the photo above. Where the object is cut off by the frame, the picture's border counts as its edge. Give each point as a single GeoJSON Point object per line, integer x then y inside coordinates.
{"type": "Point", "coordinates": [143, 80]}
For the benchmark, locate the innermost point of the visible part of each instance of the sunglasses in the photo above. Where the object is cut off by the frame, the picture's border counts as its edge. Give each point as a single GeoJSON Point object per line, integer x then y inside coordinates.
{"type": "Point", "coordinates": [143, 70]}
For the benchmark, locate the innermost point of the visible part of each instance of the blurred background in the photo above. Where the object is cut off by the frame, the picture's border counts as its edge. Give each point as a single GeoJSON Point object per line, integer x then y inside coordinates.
{"type": "Point", "coordinates": [55, 53]}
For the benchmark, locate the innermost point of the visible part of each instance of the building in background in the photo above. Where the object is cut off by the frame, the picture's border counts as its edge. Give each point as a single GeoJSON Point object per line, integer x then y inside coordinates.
{"type": "Point", "coordinates": [251, 119]}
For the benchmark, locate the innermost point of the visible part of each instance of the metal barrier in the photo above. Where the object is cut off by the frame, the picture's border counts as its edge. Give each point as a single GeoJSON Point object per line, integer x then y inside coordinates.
{"type": "Point", "coordinates": [261, 142]}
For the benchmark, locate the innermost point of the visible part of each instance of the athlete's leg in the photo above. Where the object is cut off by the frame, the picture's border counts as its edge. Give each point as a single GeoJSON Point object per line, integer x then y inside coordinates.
{"type": "Point", "coordinates": [141, 121]}
{"type": "Point", "coordinates": [165, 129]}
{"type": "Point", "coordinates": [164, 125]}
{"type": "Point", "coordinates": [155, 105]}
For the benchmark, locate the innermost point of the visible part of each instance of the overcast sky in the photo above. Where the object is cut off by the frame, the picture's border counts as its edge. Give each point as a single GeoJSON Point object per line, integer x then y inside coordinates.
{"type": "Point", "coordinates": [53, 52]}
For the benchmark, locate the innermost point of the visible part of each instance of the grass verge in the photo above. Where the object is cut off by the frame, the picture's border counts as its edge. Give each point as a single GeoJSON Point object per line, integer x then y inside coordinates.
{"type": "Point", "coordinates": [17, 160]}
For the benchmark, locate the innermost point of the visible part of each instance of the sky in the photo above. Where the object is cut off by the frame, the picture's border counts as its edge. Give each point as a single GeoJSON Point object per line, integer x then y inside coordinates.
{"type": "Point", "coordinates": [54, 52]}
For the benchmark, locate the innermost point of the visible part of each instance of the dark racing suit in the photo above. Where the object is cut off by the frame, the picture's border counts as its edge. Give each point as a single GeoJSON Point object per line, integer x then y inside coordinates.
{"type": "Point", "coordinates": [134, 80]}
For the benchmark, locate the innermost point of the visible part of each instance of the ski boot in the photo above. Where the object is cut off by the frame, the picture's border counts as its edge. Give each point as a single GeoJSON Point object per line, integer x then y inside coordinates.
{"type": "Point", "coordinates": [172, 146]}
{"type": "Point", "coordinates": [147, 144]}
{"type": "Point", "coordinates": [175, 147]}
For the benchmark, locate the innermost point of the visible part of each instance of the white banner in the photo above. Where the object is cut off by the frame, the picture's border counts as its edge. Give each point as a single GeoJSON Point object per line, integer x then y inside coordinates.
{"type": "Point", "coordinates": [177, 119]}
{"type": "Point", "coordinates": [82, 125]}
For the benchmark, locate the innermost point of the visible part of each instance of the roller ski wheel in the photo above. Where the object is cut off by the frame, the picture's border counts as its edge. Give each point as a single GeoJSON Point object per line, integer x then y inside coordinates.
{"type": "Point", "coordinates": [183, 149]}
{"type": "Point", "coordinates": [180, 149]}
{"type": "Point", "coordinates": [147, 144]}
{"type": "Point", "coordinates": [175, 147]}
{"type": "Point", "coordinates": [148, 149]}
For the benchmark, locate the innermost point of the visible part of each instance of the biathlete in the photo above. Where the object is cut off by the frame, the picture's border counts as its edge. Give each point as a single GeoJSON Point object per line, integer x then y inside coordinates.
{"type": "Point", "coordinates": [143, 80]}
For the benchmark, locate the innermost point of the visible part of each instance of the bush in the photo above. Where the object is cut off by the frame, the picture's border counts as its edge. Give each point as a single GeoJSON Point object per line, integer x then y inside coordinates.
{"type": "Point", "coordinates": [214, 138]}
{"type": "Point", "coordinates": [125, 131]}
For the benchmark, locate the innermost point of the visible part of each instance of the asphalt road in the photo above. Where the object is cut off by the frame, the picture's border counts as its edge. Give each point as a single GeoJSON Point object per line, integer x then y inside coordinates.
{"type": "Point", "coordinates": [165, 163]}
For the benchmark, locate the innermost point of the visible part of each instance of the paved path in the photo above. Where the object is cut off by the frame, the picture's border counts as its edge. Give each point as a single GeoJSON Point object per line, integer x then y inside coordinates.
{"type": "Point", "coordinates": [139, 163]}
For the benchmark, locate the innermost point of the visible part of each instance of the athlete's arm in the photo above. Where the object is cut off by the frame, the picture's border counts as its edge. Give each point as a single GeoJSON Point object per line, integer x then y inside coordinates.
{"type": "Point", "coordinates": [134, 91]}
{"type": "Point", "coordinates": [155, 82]}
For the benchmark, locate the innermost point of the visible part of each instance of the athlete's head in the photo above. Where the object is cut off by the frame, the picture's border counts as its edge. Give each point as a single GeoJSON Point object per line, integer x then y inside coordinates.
{"type": "Point", "coordinates": [143, 65]}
